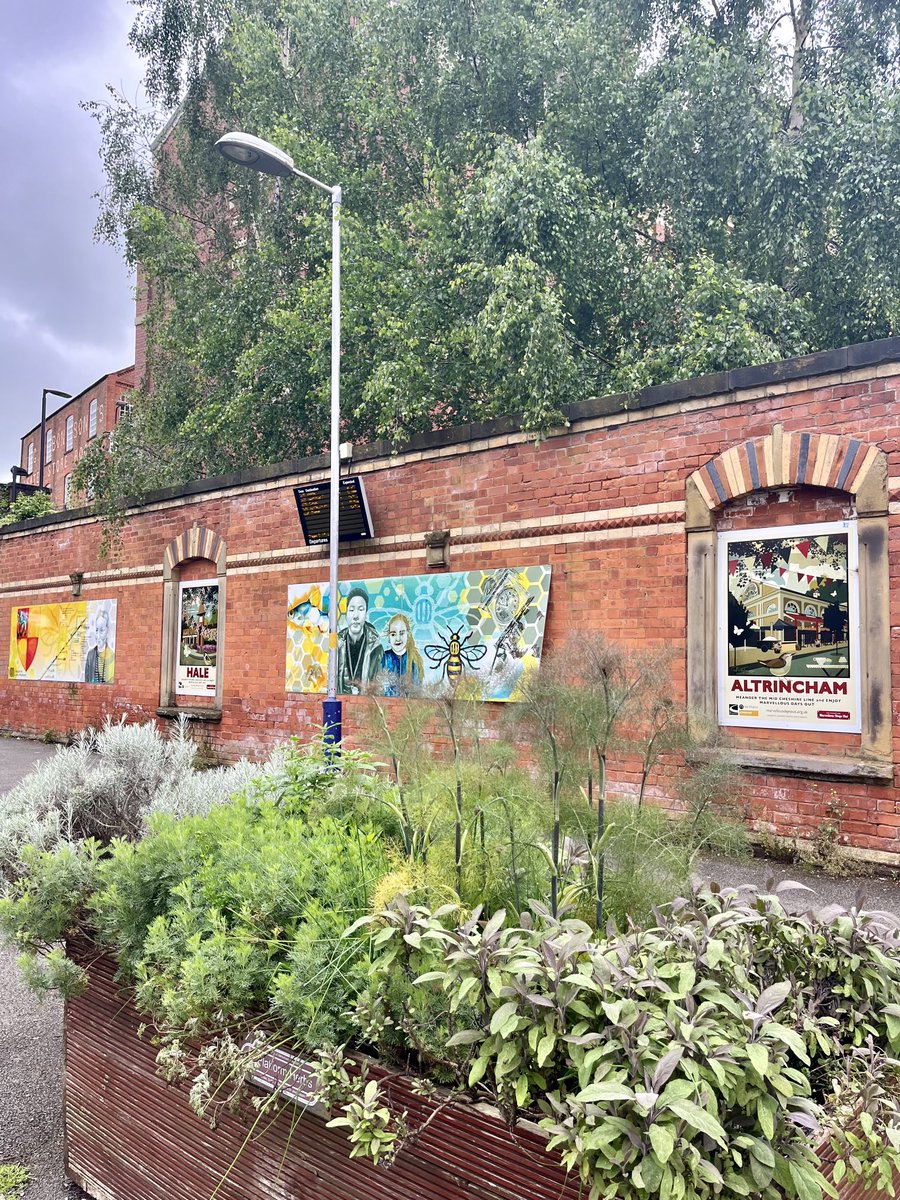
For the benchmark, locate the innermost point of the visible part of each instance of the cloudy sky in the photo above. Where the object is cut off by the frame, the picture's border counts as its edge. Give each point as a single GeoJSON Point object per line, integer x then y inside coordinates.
{"type": "Point", "coordinates": [66, 306]}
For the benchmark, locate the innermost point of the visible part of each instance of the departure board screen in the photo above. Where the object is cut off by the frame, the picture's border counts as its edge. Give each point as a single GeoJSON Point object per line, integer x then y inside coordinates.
{"type": "Point", "coordinates": [314, 507]}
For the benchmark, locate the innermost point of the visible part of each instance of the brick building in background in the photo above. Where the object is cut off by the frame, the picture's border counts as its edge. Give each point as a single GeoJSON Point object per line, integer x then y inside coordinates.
{"type": "Point", "coordinates": [91, 414]}
{"type": "Point", "coordinates": [643, 508]}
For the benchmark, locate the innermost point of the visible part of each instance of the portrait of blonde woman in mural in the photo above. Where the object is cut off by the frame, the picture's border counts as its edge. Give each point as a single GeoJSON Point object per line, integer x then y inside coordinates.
{"type": "Point", "coordinates": [99, 663]}
{"type": "Point", "coordinates": [401, 661]}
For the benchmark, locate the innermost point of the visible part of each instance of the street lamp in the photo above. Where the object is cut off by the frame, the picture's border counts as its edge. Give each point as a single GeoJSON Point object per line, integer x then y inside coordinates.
{"type": "Point", "coordinates": [47, 392]}
{"type": "Point", "coordinates": [262, 156]}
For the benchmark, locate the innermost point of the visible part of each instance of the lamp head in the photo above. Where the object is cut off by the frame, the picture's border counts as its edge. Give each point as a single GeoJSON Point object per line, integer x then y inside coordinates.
{"type": "Point", "coordinates": [54, 392]}
{"type": "Point", "coordinates": [253, 152]}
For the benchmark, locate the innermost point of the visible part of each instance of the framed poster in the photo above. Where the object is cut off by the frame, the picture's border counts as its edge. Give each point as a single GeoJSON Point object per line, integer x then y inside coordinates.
{"type": "Point", "coordinates": [198, 638]}
{"type": "Point", "coordinates": [422, 634]}
{"type": "Point", "coordinates": [72, 642]}
{"type": "Point", "coordinates": [788, 628]}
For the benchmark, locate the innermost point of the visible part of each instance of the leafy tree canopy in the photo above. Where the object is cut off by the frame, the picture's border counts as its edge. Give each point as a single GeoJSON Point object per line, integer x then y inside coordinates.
{"type": "Point", "coordinates": [544, 200]}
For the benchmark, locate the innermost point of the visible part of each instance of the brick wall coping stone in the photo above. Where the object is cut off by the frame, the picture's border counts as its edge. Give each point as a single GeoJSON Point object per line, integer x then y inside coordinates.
{"type": "Point", "coordinates": [807, 366]}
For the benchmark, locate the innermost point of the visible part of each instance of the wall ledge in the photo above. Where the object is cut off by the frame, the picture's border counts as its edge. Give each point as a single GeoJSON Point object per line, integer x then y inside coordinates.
{"type": "Point", "coordinates": [867, 356]}
{"type": "Point", "coordinates": [875, 770]}
{"type": "Point", "coordinates": [190, 714]}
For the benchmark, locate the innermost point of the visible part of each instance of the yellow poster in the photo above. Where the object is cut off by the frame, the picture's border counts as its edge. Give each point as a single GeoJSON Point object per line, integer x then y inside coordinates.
{"type": "Point", "coordinates": [73, 642]}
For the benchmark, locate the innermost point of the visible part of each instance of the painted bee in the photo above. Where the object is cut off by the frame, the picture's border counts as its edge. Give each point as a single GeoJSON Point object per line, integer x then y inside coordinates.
{"type": "Point", "coordinates": [454, 654]}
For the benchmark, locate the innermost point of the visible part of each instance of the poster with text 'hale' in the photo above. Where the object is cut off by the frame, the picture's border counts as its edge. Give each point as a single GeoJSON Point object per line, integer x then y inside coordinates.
{"type": "Point", "coordinates": [198, 641]}
{"type": "Point", "coordinates": [788, 628]}
{"type": "Point", "coordinates": [478, 631]}
{"type": "Point", "coordinates": [73, 642]}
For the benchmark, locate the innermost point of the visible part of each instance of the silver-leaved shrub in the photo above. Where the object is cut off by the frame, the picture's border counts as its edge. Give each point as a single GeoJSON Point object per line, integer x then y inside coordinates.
{"type": "Point", "coordinates": [107, 785]}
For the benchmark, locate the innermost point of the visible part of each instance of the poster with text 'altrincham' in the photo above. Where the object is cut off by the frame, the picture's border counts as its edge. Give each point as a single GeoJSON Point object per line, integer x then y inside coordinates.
{"type": "Point", "coordinates": [66, 643]}
{"type": "Point", "coordinates": [789, 629]}
{"type": "Point", "coordinates": [479, 631]}
{"type": "Point", "coordinates": [198, 642]}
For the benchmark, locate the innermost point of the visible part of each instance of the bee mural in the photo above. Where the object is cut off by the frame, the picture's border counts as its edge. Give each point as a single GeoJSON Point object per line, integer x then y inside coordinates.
{"type": "Point", "coordinates": [454, 655]}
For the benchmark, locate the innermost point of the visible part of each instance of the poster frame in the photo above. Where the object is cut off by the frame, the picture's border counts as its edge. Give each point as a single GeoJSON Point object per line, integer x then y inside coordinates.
{"type": "Point", "coordinates": [195, 692]}
{"type": "Point", "coordinates": [811, 530]}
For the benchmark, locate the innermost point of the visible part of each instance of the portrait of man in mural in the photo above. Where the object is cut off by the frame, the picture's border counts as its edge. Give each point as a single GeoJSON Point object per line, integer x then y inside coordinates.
{"type": "Point", "coordinates": [359, 646]}
{"type": "Point", "coordinates": [99, 663]}
{"type": "Point", "coordinates": [401, 661]}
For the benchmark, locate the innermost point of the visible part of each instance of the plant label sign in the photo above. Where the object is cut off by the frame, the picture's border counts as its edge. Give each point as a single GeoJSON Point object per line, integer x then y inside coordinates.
{"type": "Point", "coordinates": [788, 628]}
{"type": "Point", "coordinates": [289, 1076]}
{"type": "Point", "coordinates": [198, 641]}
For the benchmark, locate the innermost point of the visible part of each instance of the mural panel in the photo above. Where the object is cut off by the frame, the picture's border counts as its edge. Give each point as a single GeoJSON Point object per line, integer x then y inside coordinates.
{"type": "Point", "coordinates": [68, 643]}
{"type": "Point", "coordinates": [422, 634]}
{"type": "Point", "coordinates": [789, 629]}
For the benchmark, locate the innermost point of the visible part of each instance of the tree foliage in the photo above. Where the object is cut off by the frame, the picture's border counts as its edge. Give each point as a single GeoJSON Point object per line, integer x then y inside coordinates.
{"type": "Point", "coordinates": [25, 506]}
{"type": "Point", "coordinates": [544, 200]}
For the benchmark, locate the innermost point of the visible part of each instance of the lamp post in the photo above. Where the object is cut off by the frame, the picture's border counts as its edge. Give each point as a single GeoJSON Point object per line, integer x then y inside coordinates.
{"type": "Point", "coordinates": [262, 156]}
{"type": "Point", "coordinates": [47, 392]}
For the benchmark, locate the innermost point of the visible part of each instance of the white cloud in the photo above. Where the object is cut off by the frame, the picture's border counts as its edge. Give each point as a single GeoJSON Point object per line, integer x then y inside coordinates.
{"type": "Point", "coordinates": [73, 355]}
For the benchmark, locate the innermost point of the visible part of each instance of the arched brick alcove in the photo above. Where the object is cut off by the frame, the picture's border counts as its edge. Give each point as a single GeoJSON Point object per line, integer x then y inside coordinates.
{"type": "Point", "coordinates": [808, 460]}
{"type": "Point", "coordinates": [196, 542]}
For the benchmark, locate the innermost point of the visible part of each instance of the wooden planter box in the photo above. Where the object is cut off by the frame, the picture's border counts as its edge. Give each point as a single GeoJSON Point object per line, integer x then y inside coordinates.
{"type": "Point", "coordinates": [130, 1136]}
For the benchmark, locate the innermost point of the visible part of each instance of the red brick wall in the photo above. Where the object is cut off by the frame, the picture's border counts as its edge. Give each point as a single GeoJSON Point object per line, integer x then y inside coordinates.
{"type": "Point", "coordinates": [603, 502]}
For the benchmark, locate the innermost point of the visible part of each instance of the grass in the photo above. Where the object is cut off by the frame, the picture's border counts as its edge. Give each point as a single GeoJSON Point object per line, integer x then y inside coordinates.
{"type": "Point", "coordinates": [13, 1181]}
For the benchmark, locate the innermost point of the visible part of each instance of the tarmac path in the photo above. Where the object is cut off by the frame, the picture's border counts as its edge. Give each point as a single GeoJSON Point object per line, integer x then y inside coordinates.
{"type": "Point", "coordinates": [31, 1047]}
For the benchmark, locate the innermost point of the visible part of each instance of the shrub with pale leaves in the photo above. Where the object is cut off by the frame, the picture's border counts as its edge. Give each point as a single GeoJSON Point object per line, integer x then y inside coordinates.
{"type": "Point", "coordinates": [107, 785]}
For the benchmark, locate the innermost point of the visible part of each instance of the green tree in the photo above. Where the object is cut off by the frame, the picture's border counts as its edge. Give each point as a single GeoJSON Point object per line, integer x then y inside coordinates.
{"type": "Point", "coordinates": [24, 507]}
{"type": "Point", "coordinates": [542, 202]}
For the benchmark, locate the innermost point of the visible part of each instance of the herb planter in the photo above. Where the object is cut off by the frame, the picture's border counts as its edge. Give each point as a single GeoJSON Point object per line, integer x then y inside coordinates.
{"type": "Point", "coordinates": [131, 1136]}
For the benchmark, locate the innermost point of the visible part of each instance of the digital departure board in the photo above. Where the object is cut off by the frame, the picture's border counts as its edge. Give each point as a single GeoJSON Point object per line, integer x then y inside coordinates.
{"type": "Point", "coordinates": [314, 507]}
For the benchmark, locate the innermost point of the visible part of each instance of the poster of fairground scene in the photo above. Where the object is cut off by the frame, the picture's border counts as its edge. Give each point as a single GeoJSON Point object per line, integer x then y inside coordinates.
{"type": "Point", "coordinates": [478, 632]}
{"type": "Point", "coordinates": [73, 642]}
{"type": "Point", "coordinates": [198, 643]}
{"type": "Point", "coordinates": [788, 628]}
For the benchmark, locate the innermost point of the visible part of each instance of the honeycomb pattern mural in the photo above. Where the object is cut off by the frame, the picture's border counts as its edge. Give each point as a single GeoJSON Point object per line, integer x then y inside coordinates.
{"type": "Point", "coordinates": [482, 631]}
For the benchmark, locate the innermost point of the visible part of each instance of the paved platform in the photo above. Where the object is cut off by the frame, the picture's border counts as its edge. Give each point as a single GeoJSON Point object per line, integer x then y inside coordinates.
{"type": "Point", "coordinates": [18, 756]}
{"type": "Point", "coordinates": [868, 891]}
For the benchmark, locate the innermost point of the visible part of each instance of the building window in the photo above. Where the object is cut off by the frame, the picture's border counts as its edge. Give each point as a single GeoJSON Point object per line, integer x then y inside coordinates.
{"type": "Point", "coordinates": [70, 433]}
{"type": "Point", "coordinates": [67, 494]}
{"type": "Point", "coordinates": [92, 419]}
{"type": "Point", "coordinates": [122, 410]}
{"type": "Point", "coordinates": [30, 457]}
{"type": "Point", "coordinates": [48, 447]}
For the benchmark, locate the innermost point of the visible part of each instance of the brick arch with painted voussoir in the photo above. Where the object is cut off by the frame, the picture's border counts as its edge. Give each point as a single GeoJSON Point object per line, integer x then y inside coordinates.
{"type": "Point", "coordinates": [798, 459]}
{"type": "Point", "coordinates": [782, 459]}
{"type": "Point", "coordinates": [192, 544]}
